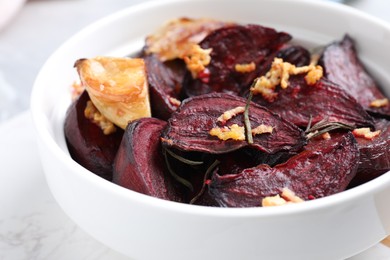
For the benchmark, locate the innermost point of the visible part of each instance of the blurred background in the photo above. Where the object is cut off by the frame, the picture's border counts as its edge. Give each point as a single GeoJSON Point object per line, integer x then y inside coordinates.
{"type": "Point", "coordinates": [30, 30]}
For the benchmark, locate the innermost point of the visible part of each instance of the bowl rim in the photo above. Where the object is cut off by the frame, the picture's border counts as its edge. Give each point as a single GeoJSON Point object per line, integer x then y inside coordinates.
{"type": "Point", "coordinates": [43, 135]}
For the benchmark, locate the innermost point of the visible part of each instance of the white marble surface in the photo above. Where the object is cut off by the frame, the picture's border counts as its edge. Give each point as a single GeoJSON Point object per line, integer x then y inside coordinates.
{"type": "Point", "coordinates": [32, 225]}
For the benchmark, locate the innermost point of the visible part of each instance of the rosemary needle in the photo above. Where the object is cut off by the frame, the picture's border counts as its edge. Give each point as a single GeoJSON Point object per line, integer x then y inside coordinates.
{"type": "Point", "coordinates": [182, 159]}
{"type": "Point", "coordinates": [248, 128]}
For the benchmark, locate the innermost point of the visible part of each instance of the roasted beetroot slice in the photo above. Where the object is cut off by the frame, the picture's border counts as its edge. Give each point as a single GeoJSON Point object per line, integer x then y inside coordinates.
{"type": "Point", "coordinates": [294, 54]}
{"type": "Point", "coordinates": [374, 154]}
{"type": "Point", "coordinates": [230, 46]}
{"type": "Point", "coordinates": [87, 144]}
{"type": "Point", "coordinates": [139, 164]}
{"type": "Point", "coordinates": [343, 66]}
{"type": "Point", "coordinates": [164, 85]}
{"type": "Point", "coordinates": [188, 128]}
{"type": "Point", "coordinates": [247, 157]}
{"type": "Point", "coordinates": [322, 101]}
{"type": "Point", "coordinates": [314, 173]}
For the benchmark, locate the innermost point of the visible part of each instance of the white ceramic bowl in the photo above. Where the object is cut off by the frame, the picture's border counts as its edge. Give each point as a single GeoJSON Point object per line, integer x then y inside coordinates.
{"type": "Point", "coordinates": [143, 227]}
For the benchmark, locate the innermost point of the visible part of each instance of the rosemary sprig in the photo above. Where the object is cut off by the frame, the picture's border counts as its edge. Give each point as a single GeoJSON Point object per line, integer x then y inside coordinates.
{"type": "Point", "coordinates": [247, 123]}
{"type": "Point", "coordinates": [324, 126]}
{"type": "Point", "coordinates": [309, 123]}
{"type": "Point", "coordinates": [206, 176]}
{"type": "Point", "coordinates": [182, 159]}
{"type": "Point", "coordinates": [173, 173]}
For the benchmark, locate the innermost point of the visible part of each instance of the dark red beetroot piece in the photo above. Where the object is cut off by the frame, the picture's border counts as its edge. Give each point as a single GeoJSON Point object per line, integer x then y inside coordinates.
{"type": "Point", "coordinates": [323, 170]}
{"type": "Point", "coordinates": [374, 154]}
{"type": "Point", "coordinates": [238, 44]}
{"type": "Point", "coordinates": [294, 54]}
{"type": "Point", "coordinates": [164, 81]}
{"type": "Point", "coordinates": [87, 143]}
{"type": "Point", "coordinates": [188, 128]}
{"type": "Point", "coordinates": [235, 162]}
{"type": "Point", "coordinates": [139, 164]}
{"type": "Point", "coordinates": [342, 66]}
{"type": "Point", "coordinates": [322, 101]}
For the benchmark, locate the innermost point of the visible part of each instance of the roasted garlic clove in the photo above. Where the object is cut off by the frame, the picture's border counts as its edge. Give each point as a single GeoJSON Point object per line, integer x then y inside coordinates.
{"type": "Point", "coordinates": [117, 86]}
{"type": "Point", "coordinates": [175, 38]}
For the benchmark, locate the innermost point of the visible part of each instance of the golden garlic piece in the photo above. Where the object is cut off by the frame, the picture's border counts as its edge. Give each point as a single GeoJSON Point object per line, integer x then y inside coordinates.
{"type": "Point", "coordinates": [176, 37]}
{"type": "Point", "coordinates": [118, 87]}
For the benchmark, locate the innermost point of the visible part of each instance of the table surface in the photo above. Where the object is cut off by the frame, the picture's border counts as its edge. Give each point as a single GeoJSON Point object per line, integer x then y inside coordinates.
{"type": "Point", "coordinates": [32, 225]}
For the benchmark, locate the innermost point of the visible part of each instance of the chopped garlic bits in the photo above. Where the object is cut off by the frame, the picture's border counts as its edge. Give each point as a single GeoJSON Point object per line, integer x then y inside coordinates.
{"type": "Point", "coordinates": [227, 115]}
{"type": "Point", "coordinates": [176, 37]}
{"type": "Point", "coordinates": [273, 201]}
{"type": "Point", "coordinates": [326, 136]}
{"type": "Point", "coordinates": [290, 196]}
{"type": "Point", "coordinates": [262, 129]}
{"type": "Point", "coordinates": [174, 101]}
{"type": "Point", "coordinates": [379, 103]}
{"type": "Point", "coordinates": [365, 133]}
{"type": "Point", "coordinates": [96, 117]}
{"type": "Point", "coordinates": [234, 132]}
{"type": "Point", "coordinates": [280, 73]}
{"type": "Point", "coordinates": [197, 59]}
{"type": "Point", "coordinates": [314, 74]}
{"type": "Point", "coordinates": [237, 132]}
{"type": "Point", "coordinates": [287, 197]}
{"type": "Point", "coordinates": [245, 68]}
{"type": "Point", "coordinates": [118, 87]}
